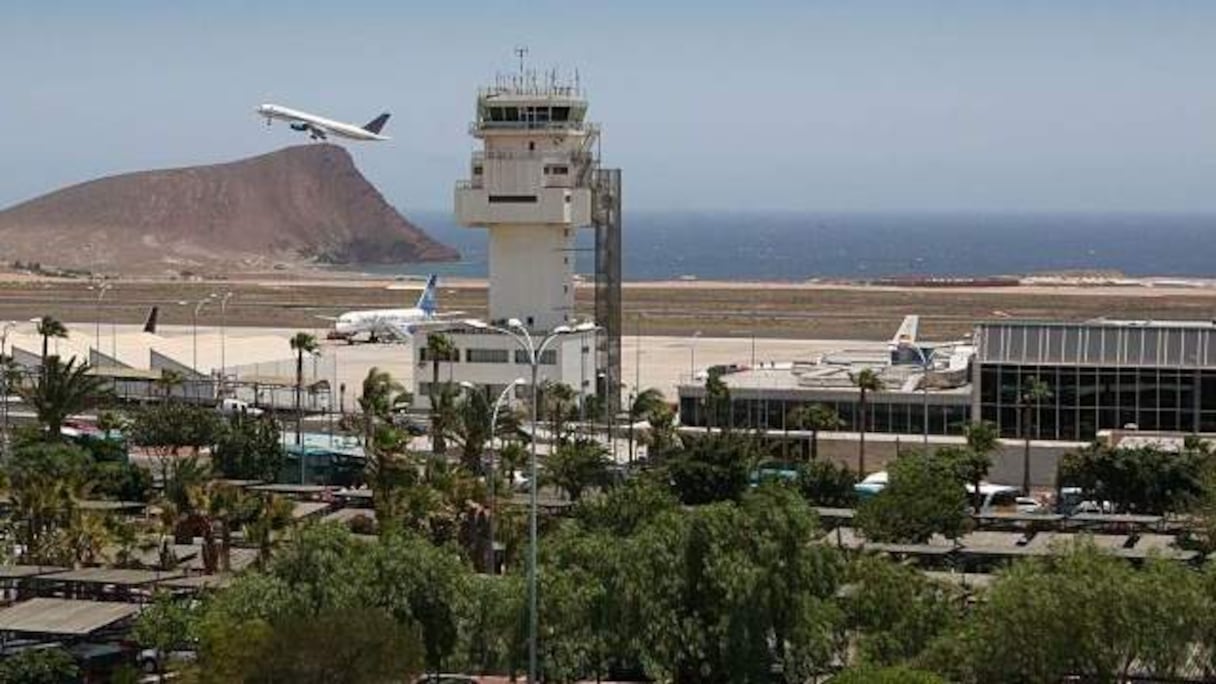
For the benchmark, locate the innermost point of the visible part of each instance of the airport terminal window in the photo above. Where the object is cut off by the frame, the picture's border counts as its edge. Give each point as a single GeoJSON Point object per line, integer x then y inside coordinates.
{"type": "Point", "coordinates": [486, 355]}
{"type": "Point", "coordinates": [547, 357]}
{"type": "Point", "coordinates": [453, 357]}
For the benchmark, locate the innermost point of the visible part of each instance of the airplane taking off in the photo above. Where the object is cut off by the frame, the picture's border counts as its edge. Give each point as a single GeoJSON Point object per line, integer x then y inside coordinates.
{"type": "Point", "coordinates": [319, 128]}
{"type": "Point", "coordinates": [397, 324]}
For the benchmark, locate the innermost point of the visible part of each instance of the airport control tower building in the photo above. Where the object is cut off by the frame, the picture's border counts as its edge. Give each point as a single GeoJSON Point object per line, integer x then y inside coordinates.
{"type": "Point", "coordinates": [536, 182]}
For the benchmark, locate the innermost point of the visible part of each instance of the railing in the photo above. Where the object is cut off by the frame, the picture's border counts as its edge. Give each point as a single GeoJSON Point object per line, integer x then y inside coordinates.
{"type": "Point", "coordinates": [576, 126]}
{"type": "Point", "coordinates": [572, 157]}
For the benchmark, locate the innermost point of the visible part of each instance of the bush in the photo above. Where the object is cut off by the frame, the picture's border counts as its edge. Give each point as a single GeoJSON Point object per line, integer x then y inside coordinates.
{"type": "Point", "coordinates": [824, 483]}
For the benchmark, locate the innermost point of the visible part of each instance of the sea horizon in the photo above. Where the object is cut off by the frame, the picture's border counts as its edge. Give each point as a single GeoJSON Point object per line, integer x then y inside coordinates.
{"type": "Point", "coordinates": [784, 245]}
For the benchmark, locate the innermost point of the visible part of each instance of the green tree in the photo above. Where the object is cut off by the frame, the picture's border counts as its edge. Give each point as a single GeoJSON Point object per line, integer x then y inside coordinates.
{"type": "Point", "coordinates": [165, 626]}
{"type": "Point", "coordinates": [712, 468]}
{"type": "Point", "coordinates": [814, 417]}
{"type": "Point", "coordinates": [471, 428]}
{"type": "Point", "coordinates": [982, 439]}
{"type": "Point", "coordinates": [924, 495]}
{"type": "Point", "coordinates": [895, 612]}
{"type": "Point", "coordinates": [886, 675]}
{"type": "Point", "coordinates": [1144, 479]}
{"type": "Point", "coordinates": [867, 382]}
{"type": "Point", "coordinates": [824, 483]}
{"type": "Point", "coordinates": [1084, 614]}
{"type": "Point", "coordinates": [646, 405]}
{"type": "Point", "coordinates": [173, 431]}
{"type": "Point", "coordinates": [49, 327]}
{"type": "Point", "coordinates": [40, 666]}
{"type": "Point", "coordinates": [717, 400]}
{"type": "Point", "coordinates": [301, 343]}
{"type": "Point", "coordinates": [439, 347]}
{"type": "Point", "coordinates": [577, 465]}
{"type": "Point", "coordinates": [248, 448]}
{"type": "Point", "coordinates": [1033, 394]}
{"type": "Point", "coordinates": [63, 390]}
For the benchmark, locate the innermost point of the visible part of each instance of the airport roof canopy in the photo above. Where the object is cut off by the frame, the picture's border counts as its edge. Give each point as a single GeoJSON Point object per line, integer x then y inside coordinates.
{"type": "Point", "coordinates": [1115, 519]}
{"type": "Point", "coordinates": [197, 582]}
{"type": "Point", "coordinates": [63, 616]}
{"type": "Point", "coordinates": [290, 488]}
{"type": "Point", "coordinates": [23, 571]}
{"type": "Point", "coordinates": [116, 576]}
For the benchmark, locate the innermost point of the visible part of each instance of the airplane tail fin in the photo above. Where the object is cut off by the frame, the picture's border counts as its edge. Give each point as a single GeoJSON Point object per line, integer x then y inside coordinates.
{"type": "Point", "coordinates": [150, 321]}
{"type": "Point", "coordinates": [427, 302]}
{"type": "Point", "coordinates": [376, 124]}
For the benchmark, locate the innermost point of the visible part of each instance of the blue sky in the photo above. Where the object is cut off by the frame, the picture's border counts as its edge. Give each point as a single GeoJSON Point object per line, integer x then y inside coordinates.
{"type": "Point", "coordinates": [969, 105]}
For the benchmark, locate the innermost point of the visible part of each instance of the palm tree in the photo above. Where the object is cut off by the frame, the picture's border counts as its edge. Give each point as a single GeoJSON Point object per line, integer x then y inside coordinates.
{"type": "Point", "coordinates": [168, 381]}
{"type": "Point", "coordinates": [273, 513]}
{"type": "Point", "coordinates": [814, 417]}
{"type": "Point", "coordinates": [471, 428]}
{"type": "Point", "coordinates": [439, 347]}
{"type": "Point", "coordinates": [982, 440]}
{"type": "Point", "coordinates": [302, 343]}
{"type": "Point", "coordinates": [646, 405]}
{"type": "Point", "coordinates": [63, 390]}
{"type": "Point", "coordinates": [717, 396]}
{"type": "Point", "coordinates": [49, 327]}
{"type": "Point", "coordinates": [1034, 393]}
{"type": "Point", "coordinates": [866, 381]}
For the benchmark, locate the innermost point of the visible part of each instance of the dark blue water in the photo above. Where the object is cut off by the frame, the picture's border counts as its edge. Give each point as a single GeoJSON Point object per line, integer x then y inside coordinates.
{"type": "Point", "coordinates": [798, 246]}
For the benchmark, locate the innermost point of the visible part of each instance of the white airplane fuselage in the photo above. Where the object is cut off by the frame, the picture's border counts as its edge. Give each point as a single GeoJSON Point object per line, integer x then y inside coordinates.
{"type": "Point", "coordinates": [313, 122]}
{"type": "Point", "coordinates": [380, 322]}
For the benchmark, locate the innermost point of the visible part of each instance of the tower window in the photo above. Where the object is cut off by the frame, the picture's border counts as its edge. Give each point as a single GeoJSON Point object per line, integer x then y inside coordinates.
{"type": "Point", "coordinates": [559, 170]}
{"type": "Point", "coordinates": [477, 170]}
{"type": "Point", "coordinates": [531, 146]}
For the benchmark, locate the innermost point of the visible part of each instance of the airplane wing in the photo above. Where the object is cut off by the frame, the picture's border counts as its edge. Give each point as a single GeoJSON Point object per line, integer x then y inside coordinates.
{"type": "Point", "coordinates": [325, 318]}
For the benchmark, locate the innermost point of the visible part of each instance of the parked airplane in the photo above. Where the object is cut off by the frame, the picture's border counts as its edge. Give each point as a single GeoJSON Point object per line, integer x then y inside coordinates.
{"type": "Point", "coordinates": [397, 324]}
{"type": "Point", "coordinates": [318, 128]}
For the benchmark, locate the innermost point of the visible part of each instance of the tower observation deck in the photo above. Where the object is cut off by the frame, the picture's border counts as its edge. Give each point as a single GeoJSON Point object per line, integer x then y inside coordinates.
{"type": "Point", "coordinates": [531, 186]}
{"type": "Point", "coordinates": [534, 181]}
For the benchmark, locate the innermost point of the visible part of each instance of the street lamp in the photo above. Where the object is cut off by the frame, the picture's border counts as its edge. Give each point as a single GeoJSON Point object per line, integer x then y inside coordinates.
{"type": "Point", "coordinates": [924, 390]}
{"type": "Point", "coordinates": [102, 289]}
{"type": "Point", "coordinates": [503, 398]}
{"type": "Point", "coordinates": [535, 349]}
{"type": "Point", "coordinates": [4, 367]}
{"type": "Point", "coordinates": [224, 334]}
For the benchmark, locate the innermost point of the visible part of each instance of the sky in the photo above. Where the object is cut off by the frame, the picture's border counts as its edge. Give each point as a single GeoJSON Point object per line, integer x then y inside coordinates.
{"type": "Point", "coordinates": [1033, 105]}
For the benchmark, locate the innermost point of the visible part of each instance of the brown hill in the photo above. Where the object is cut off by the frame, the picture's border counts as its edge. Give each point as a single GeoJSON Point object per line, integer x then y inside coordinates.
{"type": "Point", "coordinates": [297, 205]}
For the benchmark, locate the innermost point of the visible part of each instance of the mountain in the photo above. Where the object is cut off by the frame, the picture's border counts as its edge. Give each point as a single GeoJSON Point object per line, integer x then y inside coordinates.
{"type": "Point", "coordinates": [299, 205]}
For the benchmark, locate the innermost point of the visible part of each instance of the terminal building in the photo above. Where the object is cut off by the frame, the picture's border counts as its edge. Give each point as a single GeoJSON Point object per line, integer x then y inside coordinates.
{"type": "Point", "coordinates": [1101, 376]}
{"type": "Point", "coordinates": [1157, 376]}
{"type": "Point", "coordinates": [535, 182]}
{"type": "Point", "coordinates": [925, 389]}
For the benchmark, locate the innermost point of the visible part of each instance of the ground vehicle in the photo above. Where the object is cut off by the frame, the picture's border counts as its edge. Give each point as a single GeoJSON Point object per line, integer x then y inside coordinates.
{"type": "Point", "coordinates": [232, 407]}
{"type": "Point", "coordinates": [994, 497]}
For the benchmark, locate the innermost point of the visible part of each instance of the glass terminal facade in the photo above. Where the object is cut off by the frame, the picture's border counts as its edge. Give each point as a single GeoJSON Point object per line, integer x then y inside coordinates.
{"type": "Point", "coordinates": [1101, 375]}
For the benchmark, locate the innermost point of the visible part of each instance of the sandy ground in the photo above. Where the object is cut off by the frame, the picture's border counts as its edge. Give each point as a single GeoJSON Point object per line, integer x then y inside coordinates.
{"type": "Point", "coordinates": [655, 361]}
{"type": "Point", "coordinates": [795, 311]}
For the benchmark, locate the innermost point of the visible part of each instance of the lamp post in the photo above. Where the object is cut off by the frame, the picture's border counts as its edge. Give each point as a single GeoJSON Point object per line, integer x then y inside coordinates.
{"type": "Point", "coordinates": [102, 289]}
{"type": "Point", "coordinates": [535, 348]}
{"type": "Point", "coordinates": [924, 391]}
{"type": "Point", "coordinates": [692, 358]}
{"type": "Point", "coordinates": [503, 398]}
{"type": "Point", "coordinates": [4, 367]}
{"type": "Point", "coordinates": [224, 335]}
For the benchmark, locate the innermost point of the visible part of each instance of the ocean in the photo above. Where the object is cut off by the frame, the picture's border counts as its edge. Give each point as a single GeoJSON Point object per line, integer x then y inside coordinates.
{"type": "Point", "coordinates": [789, 246]}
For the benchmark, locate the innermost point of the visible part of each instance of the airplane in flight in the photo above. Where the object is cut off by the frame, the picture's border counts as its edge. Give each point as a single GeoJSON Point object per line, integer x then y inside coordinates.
{"type": "Point", "coordinates": [319, 128]}
{"type": "Point", "coordinates": [392, 324]}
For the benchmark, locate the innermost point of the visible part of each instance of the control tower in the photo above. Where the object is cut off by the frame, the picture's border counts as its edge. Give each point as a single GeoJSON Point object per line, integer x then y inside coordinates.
{"type": "Point", "coordinates": [531, 187]}
{"type": "Point", "coordinates": [536, 181]}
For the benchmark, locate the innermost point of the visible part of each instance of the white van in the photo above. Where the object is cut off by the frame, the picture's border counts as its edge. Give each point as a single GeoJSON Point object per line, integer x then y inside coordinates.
{"type": "Point", "coordinates": [232, 407]}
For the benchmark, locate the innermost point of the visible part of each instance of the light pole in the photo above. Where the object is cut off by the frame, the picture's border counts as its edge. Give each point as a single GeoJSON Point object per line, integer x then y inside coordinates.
{"type": "Point", "coordinates": [924, 391]}
{"type": "Point", "coordinates": [535, 349]}
{"type": "Point", "coordinates": [102, 289]}
{"type": "Point", "coordinates": [503, 398]}
{"type": "Point", "coordinates": [223, 336]}
{"type": "Point", "coordinates": [4, 368]}
{"type": "Point", "coordinates": [692, 358]}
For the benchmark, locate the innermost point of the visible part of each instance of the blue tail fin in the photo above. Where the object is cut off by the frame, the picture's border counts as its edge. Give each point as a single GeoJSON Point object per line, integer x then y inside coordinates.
{"type": "Point", "coordinates": [427, 302]}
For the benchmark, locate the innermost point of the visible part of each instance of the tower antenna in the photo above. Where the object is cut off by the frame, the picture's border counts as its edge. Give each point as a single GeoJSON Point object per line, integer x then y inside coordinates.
{"type": "Point", "coordinates": [521, 52]}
